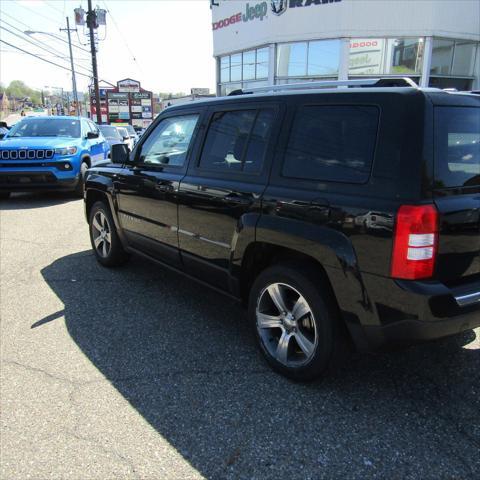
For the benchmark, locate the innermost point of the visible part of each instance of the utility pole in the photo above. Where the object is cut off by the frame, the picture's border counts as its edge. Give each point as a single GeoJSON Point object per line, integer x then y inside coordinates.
{"type": "Point", "coordinates": [92, 25]}
{"type": "Point", "coordinates": [74, 81]}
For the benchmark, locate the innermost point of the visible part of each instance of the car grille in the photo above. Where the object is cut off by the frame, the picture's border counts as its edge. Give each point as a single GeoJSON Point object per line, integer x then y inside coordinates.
{"type": "Point", "coordinates": [27, 154]}
{"type": "Point", "coordinates": [27, 179]}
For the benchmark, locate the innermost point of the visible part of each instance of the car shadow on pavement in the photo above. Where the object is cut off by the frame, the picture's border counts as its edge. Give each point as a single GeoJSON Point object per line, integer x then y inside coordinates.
{"type": "Point", "coordinates": [31, 200]}
{"type": "Point", "coordinates": [185, 359]}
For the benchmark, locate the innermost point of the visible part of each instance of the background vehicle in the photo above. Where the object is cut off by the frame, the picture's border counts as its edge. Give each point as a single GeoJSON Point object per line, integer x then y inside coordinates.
{"type": "Point", "coordinates": [126, 137]}
{"type": "Point", "coordinates": [133, 134]}
{"type": "Point", "coordinates": [3, 130]}
{"type": "Point", "coordinates": [111, 135]}
{"type": "Point", "coordinates": [49, 153]}
{"type": "Point", "coordinates": [260, 196]}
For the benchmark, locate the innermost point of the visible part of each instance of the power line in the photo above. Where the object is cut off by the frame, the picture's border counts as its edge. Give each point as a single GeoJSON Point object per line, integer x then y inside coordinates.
{"type": "Point", "coordinates": [48, 50]}
{"type": "Point", "coordinates": [35, 11]}
{"type": "Point", "coordinates": [40, 58]}
{"type": "Point", "coordinates": [48, 4]}
{"type": "Point", "coordinates": [33, 43]}
{"type": "Point", "coordinates": [37, 43]}
{"type": "Point", "coordinates": [122, 37]}
{"type": "Point", "coordinates": [29, 28]}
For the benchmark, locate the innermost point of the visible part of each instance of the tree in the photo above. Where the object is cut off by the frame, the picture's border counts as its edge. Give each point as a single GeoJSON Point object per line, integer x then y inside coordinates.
{"type": "Point", "coordinates": [19, 89]}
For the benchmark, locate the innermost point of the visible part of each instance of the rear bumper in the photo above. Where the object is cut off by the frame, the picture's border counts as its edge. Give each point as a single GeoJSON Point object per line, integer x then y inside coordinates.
{"type": "Point", "coordinates": [405, 312]}
{"type": "Point", "coordinates": [412, 331]}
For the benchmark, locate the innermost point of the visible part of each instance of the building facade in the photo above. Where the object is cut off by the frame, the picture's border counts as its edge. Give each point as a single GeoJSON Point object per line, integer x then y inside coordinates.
{"type": "Point", "coordinates": [434, 42]}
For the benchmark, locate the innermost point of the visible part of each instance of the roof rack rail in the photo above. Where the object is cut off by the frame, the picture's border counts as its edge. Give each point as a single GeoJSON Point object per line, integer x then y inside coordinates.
{"type": "Point", "coordinates": [367, 82]}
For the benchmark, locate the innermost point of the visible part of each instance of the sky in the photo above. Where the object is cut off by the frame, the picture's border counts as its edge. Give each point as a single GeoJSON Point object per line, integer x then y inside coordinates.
{"type": "Point", "coordinates": [165, 44]}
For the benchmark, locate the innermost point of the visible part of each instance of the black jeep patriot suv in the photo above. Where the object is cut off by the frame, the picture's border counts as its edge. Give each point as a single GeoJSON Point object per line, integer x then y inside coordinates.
{"type": "Point", "coordinates": [333, 213]}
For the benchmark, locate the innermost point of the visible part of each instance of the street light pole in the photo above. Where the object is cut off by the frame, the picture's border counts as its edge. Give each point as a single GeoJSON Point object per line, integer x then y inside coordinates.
{"type": "Point", "coordinates": [92, 24]}
{"type": "Point", "coordinates": [74, 81]}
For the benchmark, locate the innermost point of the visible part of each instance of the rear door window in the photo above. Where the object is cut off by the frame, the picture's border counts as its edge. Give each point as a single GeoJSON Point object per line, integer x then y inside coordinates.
{"type": "Point", "coordinates": [457, 147]}
{"type": "Point", "coordinates": [236, 141]}
{"type": "Point", "coordinates": [332, 143]}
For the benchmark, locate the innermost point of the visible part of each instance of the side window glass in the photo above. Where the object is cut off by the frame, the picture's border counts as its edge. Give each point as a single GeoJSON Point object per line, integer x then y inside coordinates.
{"type": "Point", "coordinates": [257, 146]}
{"type": "Point", "coordinates": [236, 141]}
{"type": "Point", "coordinates": [85, 128]}
{"type": "Point", "coordinates": [168, 143]}
{"type": "Point", "coordinates": [93, 127]}
{"type": "Point", "coordinates": [332, 143]}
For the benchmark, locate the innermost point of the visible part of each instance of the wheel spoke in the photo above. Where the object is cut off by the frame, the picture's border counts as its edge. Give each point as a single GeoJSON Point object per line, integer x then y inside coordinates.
{"type": "Point", "coordinates": [277, 297]}
{"type": "Point", "coordinates": [96, 224]}
{"type": "Point", "coordinates": [282, 348]}
{"type": "Point", "coordinates": [97, 241]}
{"type": "Point", "coordinates": [268, 321]}
{"type": "Point", "coordinates": [304, 343]}
{"type": "Point", "coordinates": [108, 237]}
{"type": "Point", "coordinates": [104, 249]}
{"type": "Point", "coordinates": [102, 220]}
{"type": "Point", "coordinates": [300, 308]}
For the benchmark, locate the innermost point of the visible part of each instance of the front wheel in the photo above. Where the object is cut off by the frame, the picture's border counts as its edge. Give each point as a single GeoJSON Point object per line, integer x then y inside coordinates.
{"type": "Point", "coordinates": [104, 238]}
{"type": "Point", "coordinates": [294, 321]}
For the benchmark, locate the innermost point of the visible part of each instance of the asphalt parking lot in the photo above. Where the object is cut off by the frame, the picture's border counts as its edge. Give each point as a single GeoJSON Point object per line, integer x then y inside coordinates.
{"type": "Point", "coordinates": [140, 373]}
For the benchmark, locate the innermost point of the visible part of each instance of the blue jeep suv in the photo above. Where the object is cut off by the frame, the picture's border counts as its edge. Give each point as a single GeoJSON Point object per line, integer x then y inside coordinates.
{"type": "Point", "coordinates": [43, 153]}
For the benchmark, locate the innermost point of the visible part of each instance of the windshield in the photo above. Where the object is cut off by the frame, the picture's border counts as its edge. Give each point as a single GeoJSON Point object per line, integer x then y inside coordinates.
{"type": "Point", "coordinates": [110, 132]}
{"type": "Point", "coordinates": [123, 132]}
{"type": "Point", "coordinates": [130, 130]}
{"type": "Point", "coordinates": [457, 147]}
{"type": "Point", "coordinates": [46, 127]}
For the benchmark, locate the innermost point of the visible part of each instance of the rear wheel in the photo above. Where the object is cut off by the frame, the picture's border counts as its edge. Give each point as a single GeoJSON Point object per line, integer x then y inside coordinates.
{"type": "Point", "coordinates": [104, 238]}
{"type": "Point", "coordinates": [4, 195]}
{"type": "Point", "coordinates": [81, 179]}
{"type": "Point", "coordinates": [294, 321]}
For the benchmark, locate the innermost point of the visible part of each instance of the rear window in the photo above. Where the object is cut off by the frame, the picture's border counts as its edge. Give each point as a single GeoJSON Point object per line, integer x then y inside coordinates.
{"type": "Point", "coordinates": [332, 143]}
{"type": "Point", "coordinates": [457, 147]}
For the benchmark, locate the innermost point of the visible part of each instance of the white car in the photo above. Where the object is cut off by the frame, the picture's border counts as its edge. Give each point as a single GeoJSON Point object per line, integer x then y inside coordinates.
{"type": "Point", "coordinates": [127, 139]}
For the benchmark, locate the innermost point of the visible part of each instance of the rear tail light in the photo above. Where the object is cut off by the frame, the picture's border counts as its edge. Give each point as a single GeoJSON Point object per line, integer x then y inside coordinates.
{"type": "Point", "coordinates": [415, 242]}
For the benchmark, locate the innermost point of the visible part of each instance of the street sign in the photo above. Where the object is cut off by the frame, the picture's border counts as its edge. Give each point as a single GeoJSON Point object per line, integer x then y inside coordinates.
{"type": "Point", "coordinates": [200, 91]}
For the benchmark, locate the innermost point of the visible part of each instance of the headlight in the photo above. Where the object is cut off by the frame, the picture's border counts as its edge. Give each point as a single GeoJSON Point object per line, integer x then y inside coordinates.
{"type": "Point", "coordinates": [66, 151]}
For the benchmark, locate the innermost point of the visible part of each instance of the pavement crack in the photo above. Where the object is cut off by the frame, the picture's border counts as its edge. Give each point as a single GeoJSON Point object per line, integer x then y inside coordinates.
{"type": "Point", "coordinates": [104, 449]}
{"type": "Point", "coordinates": [59, 378]}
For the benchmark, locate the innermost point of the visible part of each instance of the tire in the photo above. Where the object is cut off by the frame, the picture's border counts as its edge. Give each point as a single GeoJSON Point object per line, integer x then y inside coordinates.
{"type": "Point", "coordinates": [80, 188]}
{"type": "Point", "coordinates": [299, 348]}
{"type": "Point", "coordinates": [104, 238]}
{"type": "Point", "coordinates": [4, 195]}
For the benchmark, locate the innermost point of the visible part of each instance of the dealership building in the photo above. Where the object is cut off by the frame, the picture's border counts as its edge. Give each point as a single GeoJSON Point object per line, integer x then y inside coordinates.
{"type": "Point", "coordinates": [434, 42]}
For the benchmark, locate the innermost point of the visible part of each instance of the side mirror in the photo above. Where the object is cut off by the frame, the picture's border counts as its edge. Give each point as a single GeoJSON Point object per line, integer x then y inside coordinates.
{"type": "Point", "coordinates": [119, 153]}
{"type": "Point", "coordinates": [2, 135]}
{"type": "Point", "coordinates": [92, 135]}
{"type": "Point", "coordinates": [3, 124]}
{"type": "Point", "coordinates": [126, 138]}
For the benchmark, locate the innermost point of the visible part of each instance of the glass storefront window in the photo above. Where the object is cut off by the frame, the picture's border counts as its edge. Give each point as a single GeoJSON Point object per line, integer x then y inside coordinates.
{"type": "Point", "coordinates": [464, 58]}
{"type": "Point", "coordinates": [442, 55]}
{"type": "Point", "coordinates": [249, 65]}
{"type": "Point", "coordinates": [262, 63]}
{"type": "Point", "coordinates": [366, 56]}
{"type": "Point", "coordinates": [230, 87]}
{"type": "Point", "coordinates": [292, 60]}
{"type": "Point", "coordinates": [323, 57]}
{"type": "Point", "coordinates": [225, 69]}
{"type": "Point", "coordinates": [236, 67]}
{"type": "Point", "coordinates": [404, 55]}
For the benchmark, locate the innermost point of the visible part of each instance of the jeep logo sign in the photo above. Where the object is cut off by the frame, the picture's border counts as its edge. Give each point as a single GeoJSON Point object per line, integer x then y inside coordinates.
{"type": "Point", "coordinates": [258, 11]}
